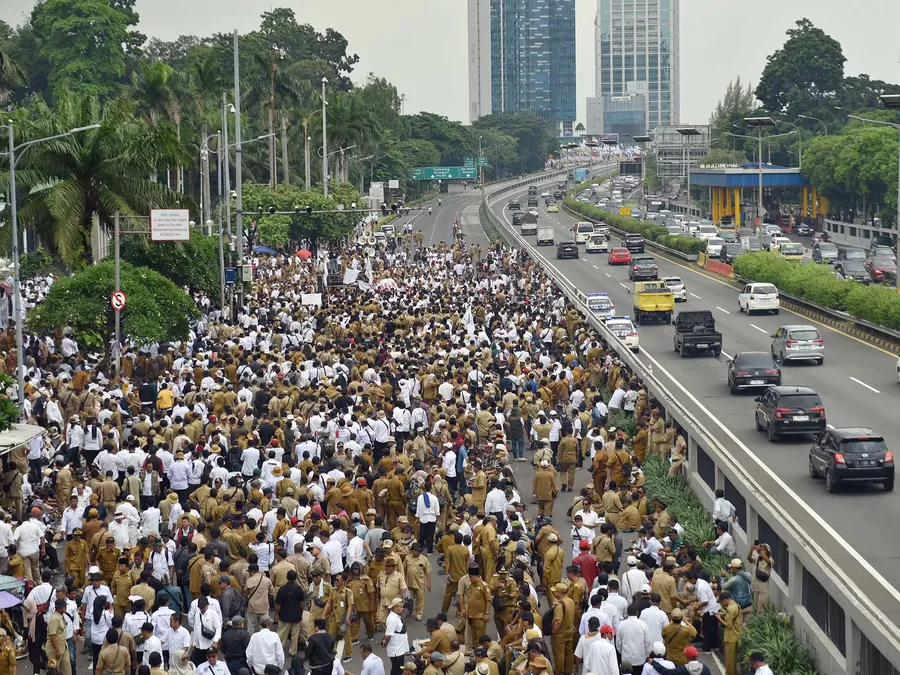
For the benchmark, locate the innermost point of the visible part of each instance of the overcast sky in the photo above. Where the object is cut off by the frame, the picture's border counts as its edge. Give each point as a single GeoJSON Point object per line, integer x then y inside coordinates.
{"type": "Point", "coordinates": [420, 45]}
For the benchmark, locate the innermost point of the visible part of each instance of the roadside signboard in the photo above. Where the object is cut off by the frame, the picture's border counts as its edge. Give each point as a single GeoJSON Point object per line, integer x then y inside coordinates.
{"type": "Point", "coordinates": [170, 225]}
{"type": "Point", "coordinates": [624, 210]}
{"type": "Point", "coordinates": [117, 300]}
{"type": "Point", "coordinates": [443, 173]}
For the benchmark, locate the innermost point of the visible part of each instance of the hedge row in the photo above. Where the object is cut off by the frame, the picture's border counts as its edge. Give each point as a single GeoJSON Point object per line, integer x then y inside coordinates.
{"type": "Point", "coordinates": [650, 231]}
{"type": "Point", "coordinates": [772, 632]}
{"type": "Point", "coordinates": [876, 303]}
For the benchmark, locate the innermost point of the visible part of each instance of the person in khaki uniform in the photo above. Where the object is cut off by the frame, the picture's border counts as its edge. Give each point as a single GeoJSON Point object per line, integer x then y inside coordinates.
{"type": "Point", "coordinates": [107, 560]}
{"type": "Point", "coordinates": [568, 461]}
{"type": "Point", "coordinates": [553, 563]}
{"type": "Point", "coordinates": [562, 634]}
{"type": "Point", "coordinates": [258, 590]}
{"type": "Point", "coordinates": [437, 640]}
{"type": "Point", "coordinates": [55, 647]}
{"type": "Point", "coordinates": [663, 583]}
{"type": "Point", "coordinates": [490, 548]}
{"type": "Point", "coordinates": [363, 593]}
{"type": "Point", "coordinates": [545, 488]}
{"type": "Point", "coordinates": [319, 592]}
{"type": "Point", "coordinates": [418, 577]}
{"type": "Point", "coordinates": [677, 636]}
{"type": "Point", "coordinates": [504, 587]}
{"type": "Point", "coordinates": [76, 558]}
{"type": "Point", "coordinates": [122, 583]}
{"type": "Point", "coordinates": [391, 584]}
{"type": "Point", "coordinates": [114, 658]}
{"type": "Point", "coordinates": [338, 609]}
{"type": "Point", "coordinates": [732, 620]}
{"type": "Point", "coordinates": [456, 561]}
{"type": "Point", "coordinates": [475, 605]}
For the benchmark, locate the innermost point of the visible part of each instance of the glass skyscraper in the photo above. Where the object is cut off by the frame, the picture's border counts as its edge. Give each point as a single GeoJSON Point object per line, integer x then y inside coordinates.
{"type": "Point", "coordinates": [532, 57]}
{"type": "Point", "coordinates": [637, 41]}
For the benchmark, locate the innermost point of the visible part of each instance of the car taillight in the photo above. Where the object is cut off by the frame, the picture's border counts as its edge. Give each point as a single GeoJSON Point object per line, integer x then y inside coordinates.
{"type": "Point", "coordinates": [780, 412]}
{"type": "Point", "coordinates": [771, 371]}
{"type": "Point", "coordinates": [839, 458]}
{"type": "Point", "coordinates": [790, 343]}
{"type": "Point", "coordinates": [889, 457]}
{"type": "Point", "coordinates": [741, 373]}
{"type": "Point", "coordinates": [820, 411]}
{"type": "Point", "coordinates": [633, 333]}
{"type": "Point", "coordinates": [818, 342]}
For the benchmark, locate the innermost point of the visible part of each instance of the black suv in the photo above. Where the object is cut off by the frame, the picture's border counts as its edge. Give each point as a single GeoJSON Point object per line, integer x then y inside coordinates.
{"type": "Point", "coordinates": [853, 454]}
{"type": "Point", "coordinates": [518, 218]}
{"type": "Point", "coordinates": [748, 370]}
{"type": "Point", "coordinates": [789, 410]}
{"type": "Point", "coordinates": [634, 243]}
{"type": "Point", "coordinates": [515, 204]}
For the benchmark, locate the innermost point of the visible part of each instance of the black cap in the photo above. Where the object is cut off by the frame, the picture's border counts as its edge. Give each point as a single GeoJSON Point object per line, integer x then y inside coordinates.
{"type": "Point", "coordinates": [60, 603]}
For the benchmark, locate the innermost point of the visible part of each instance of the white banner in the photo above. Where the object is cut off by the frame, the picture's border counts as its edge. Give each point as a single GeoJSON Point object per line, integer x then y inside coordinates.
{"type": "Point", "coordinates": [170, 225]}
{"type": "Point", "coordinates": [311, 299]}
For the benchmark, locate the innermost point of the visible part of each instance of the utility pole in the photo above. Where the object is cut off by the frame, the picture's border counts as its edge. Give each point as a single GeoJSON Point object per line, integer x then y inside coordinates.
{"type": "Point", "coordinates": [117, 345]}
{"type": "Point", "coordinates": [324, 139]}
{"type": "Point", "coordinates": [227, 170]}
{"type": "Point", "coordinates": [239, 206]}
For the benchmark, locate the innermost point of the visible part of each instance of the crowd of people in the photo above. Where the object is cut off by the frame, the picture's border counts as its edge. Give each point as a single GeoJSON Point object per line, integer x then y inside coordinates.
{"type": "Point", "coordinates": [252, 499]}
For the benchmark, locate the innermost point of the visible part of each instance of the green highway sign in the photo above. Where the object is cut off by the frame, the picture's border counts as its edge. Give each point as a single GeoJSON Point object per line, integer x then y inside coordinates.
{"type": "Point", "coordinates": [470, 162]}
{"type": "Point", "coordinates": [443, 173]}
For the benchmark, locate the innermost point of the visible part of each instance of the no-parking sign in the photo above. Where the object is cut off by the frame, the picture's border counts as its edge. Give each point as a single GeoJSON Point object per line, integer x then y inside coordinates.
{"type": "Point", "coordinates": [117, 300]}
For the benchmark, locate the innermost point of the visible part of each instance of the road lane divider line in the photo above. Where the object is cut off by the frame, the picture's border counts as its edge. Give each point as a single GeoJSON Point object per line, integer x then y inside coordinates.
{"type": "Point", "coordinates": [694, 295]}
{"type": "Point", "coordinates": [761, 330]}
{"type": "Point", "coordinates": [608, 274]}
{"type": "Point", "coordinates": [722, 310]}
{"type": "Point", "coordinates": [863, 384]}
{"type": "Point", "coordinates": [595, 267]}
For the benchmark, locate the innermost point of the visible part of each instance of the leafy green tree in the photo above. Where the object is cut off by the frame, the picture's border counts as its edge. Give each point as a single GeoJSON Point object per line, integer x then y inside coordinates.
{"type": "Point", "coordinates": [720, 156]}
{"type": "Point", "coordinates": [536, 137]}
{"type": "Point", "coordinates": [274, 231]}
{"type": "Point", "coordinates": [737, 103]}
{"type": "Point", "coordinates": [65, 184]}
{"type": "Point", "coordinates": [192, 264]}
{"type": "Point", "coordinates": [23, 48]}
{"type": "Point", "coordinates": [808, 67]}
{"type": "Point", "coordinates": [157, 309]}
{"type": "Point", "coordinates": [452, 139]}
{"type": "Point", "coordinates": [84, 42]}
{"type": "Point", "coordinates": [11, 75]}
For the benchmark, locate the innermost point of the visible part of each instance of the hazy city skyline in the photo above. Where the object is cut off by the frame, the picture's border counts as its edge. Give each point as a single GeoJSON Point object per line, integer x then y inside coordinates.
{"type": "Point", "coordinates": [420, 45]}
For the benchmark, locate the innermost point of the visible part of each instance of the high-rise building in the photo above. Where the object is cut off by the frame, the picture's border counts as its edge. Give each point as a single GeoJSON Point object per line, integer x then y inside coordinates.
{"type": "Point", "coordinates": [637, 42]}
{"type": "Point", "coordinates": [531, 45]}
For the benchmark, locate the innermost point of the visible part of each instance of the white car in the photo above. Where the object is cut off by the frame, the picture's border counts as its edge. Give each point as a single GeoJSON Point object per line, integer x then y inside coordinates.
{"type": "Point", "coordinates": [545, 194]}
{"type": "Point", "coordinates": [533, 212]}
{"type": "Point", "coordinates": [678, 288]}
{"type": "Point", "coordinates": [598, 243]}
{"type": "Point", "coordinates": [529, 228]}
{"type": "Point", "coordinates": [601, 305]}
{"type": "Point", "coordinates": [714, 247]}
{"type": "Point", "coordinates": [758, 297]}
{"type": "Point", "coordinates": [706, 232]}
{"type": "Point", "coordinates": [583, 232]}
{"type": "Point", "coordinates": [623, 328]}
{"type": "Point", "coordinates": [778, 242]}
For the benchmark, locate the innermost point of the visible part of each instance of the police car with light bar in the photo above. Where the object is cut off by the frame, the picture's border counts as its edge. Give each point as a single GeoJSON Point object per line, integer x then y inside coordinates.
{"type": "Point", "coordinates": [623, 328]}
{"type": "Point", "coordinates": [600, 305]}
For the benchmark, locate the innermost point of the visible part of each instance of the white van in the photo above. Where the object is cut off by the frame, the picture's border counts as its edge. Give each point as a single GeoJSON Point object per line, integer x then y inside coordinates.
{"type": "Point", "coordinates": [598, 243]}
{"type": "Point", "coordinates": [706, 232]}
{"type": "Point", "coordinates": [583, 232]}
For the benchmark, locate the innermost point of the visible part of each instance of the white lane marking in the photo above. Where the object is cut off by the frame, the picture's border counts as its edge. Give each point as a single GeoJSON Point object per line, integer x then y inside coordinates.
{"type": "Point", "coordinates": [725, 354]}
{"type": "Point", "coordinates": [722, 310]}
{"type": "Point", "coordinates": [761, 330]}
{"type": "Point", "coordinates": [808, 510]}
{"type": "Point", "coordinates": [869, 387]}
{"type": "Point", "coordinates": [694, 295]}
{"type": "Point", "coordinates": [608, 274]}
{"type": "Point", "coordinates": [597, 268]}
{"type": "Point", "coordinates": [623, 285]}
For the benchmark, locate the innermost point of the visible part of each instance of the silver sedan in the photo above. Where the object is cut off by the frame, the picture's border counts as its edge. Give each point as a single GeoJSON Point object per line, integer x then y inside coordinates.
{"type": "Point", "coordinates": [798, 343]}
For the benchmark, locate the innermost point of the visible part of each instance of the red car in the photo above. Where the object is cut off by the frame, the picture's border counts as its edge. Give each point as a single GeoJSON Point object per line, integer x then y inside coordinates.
{"type": "Point", "coordinates": [877, 267]}
{"type": "Point", "coordinates": [619, 256]}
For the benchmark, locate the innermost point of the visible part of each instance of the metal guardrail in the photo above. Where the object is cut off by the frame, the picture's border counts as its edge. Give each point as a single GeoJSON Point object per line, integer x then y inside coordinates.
{"type": "Point", "coordinates": [867, 627]}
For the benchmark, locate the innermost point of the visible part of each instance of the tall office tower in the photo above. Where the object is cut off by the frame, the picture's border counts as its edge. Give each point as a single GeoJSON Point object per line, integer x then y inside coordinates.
{"type": "Point", "coordinates": [532, 58]}
{"type": "Point", "coordinates": [636, 42]}
{"type": "Point", "coordinates": [479, 58]}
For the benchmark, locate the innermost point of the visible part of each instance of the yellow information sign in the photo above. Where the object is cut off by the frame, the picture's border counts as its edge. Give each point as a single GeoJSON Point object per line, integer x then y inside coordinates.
{"type": "Point", "coordinates": [624, 210]}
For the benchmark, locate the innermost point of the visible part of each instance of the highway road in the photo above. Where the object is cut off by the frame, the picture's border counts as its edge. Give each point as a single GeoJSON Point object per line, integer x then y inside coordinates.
{"type": "Point", "coordinates": [857, 384]}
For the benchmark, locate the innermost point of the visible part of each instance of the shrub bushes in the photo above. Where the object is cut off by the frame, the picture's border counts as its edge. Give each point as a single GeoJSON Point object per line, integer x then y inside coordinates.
{"type": "Point", "coordinates": [877, 303]}
{"type": "Point", "coordinates": [650, 231]}
{"type": "Point", "coordinates": [772, 633]}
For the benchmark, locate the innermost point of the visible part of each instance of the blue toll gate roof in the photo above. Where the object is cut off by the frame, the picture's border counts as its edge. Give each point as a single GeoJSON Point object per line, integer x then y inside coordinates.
{"type": "Point", "coordinates": [747, 176]}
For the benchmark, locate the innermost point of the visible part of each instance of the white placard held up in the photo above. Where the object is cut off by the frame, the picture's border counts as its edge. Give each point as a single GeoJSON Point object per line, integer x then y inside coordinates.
{"type": "Point", "coordinates": [311, 299]}
{"type": "Point", "coordinates": [170, 225]}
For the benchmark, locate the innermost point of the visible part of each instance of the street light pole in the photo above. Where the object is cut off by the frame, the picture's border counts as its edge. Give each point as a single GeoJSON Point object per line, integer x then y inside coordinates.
{"type": "Point", "coordinates": [815, 119]}
{"type": "Point", "coordinates": [225, 160]}
{"type": "Point", "coordinates": [239, 205]}
{"type": "Point", "coordinates": [14, 217]}
{"type": "Point", "coordinates": [324, 139]}
{"type": "Point", "coordinates": [480, 168]}
{"type": "Point", "coordinates": [760, 122]}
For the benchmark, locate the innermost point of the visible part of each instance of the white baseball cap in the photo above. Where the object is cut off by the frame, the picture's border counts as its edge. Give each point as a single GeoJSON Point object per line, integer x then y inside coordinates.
{"type": "Point", "coordinates": [631, 560]}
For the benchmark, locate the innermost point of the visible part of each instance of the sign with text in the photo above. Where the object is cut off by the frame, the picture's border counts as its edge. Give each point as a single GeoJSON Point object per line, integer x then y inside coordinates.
{"type": "Point", "coordinates": [624, 210]}
{"type": "Point", "coordinates": [394, 184]}
{"type": "Point", "coordinates": [311, 299]}
{"type": "Point", "coordinates": [443, 173]}
{"type": "Point", "coordinates": [170, 225]}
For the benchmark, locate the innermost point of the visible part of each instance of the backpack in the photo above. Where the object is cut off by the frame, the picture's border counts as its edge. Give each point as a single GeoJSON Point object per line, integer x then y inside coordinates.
{"type": "Point", "coordinates": [412, 495]}
{"type": "Point", "coordinates": [238, 604]}
{"type": "Point", "coordinates": [626, 466]}
{"type": "Point", "coordinates": [547, 622]}
{"type": "Point", "coordinates": [596, 418]}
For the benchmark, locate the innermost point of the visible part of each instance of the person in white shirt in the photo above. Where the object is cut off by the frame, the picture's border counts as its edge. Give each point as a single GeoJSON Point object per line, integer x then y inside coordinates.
{"type": "Point", "coordinates": [579, 533]}
{"type": "Point", "coordinates": [265, 647]}
{"type": "Point", "coordinates": [602, 658]}
{"type": "Point", "coordinates": [372, 664]}
{"type": "Point", "coordinates": [178, 639]}
{"type": "Point", "coordinates": [212, 665]}
{"type": "Point", "coordinates": [151, 643]}
{"type": "Point", "coordinates": [428, 510]}
{"type": "Point", "coordinates": [583, 647]}
{"type": "Point", "coordinates": [495, 502]}
{"type": "Point", "coordinates": [71, 517]}
{"type": "Point", "coordinates": [616, 600]}
{"type": "Point", "coordinates": [249, 462]}
{"type": "Point", "coordinates": [655, 618]}
{"type": "Point", "coordinates": [658, 652]}
{"type": "Point", "coordinates": [29, 540]}
{"type": "Point", "coordinates": [207, 618]}
{"type": "Point", "coordinates": [331, 549]}
{"type": "Point", "coordinates": [356, 548]}
{"type": "Point", "coordinates": [448, 463]}
{"type": "Point", "coordinates": [758, 662]}
{"type": "Point", "coordinates": [723, 510]}
{"type": "Point", "coordinates": [396, 638]}
{"type": "Point", "coordinates": [119, 530]}
{"type": "Point", "coordinates": [709, 606]}
{"type": "Point", "coordinates": [633, 639]}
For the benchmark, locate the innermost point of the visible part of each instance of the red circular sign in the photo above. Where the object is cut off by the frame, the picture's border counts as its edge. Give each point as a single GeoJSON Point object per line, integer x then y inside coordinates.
{"type": "Point", "coordinates": [117, 300]}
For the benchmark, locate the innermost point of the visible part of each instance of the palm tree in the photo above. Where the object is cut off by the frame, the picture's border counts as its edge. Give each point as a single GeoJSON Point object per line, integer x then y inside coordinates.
{"type": "Point", "coordinates": [10, 76]}
{"type": "Point", "coordinates": [69, 184]}
{"type": "Point", "coordinates": [152, 85]}
{"type": "Point", "coordinates": [207, 82]}
{"type": "Point", "coordinates": [350, 122]}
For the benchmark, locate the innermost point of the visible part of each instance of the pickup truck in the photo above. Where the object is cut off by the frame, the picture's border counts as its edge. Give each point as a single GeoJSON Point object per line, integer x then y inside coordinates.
{"type": "Point", "coordinates": [545, 235]}
{"type": "Point", "coordinates": [643, 267]}
{"type": "Point", "coordinates": [695, 331]}
{"type": "Point", "coordinates": [653, 301]}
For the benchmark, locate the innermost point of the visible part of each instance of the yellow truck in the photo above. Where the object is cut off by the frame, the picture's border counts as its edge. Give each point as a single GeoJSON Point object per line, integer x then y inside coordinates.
{"type": "Point", "coordinates": [653, 301]}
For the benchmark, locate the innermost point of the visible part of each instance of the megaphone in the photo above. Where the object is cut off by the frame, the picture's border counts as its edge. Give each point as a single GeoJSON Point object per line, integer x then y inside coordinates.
{"type": "Point", "coordinates": [363, 240]}
{"type": "Point", "coordinates": [370, 240]}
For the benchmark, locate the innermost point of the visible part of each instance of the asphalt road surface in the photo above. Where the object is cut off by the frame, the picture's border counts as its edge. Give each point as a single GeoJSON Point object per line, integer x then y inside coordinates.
{"type": "Point", "coordinates": [857, 384]}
